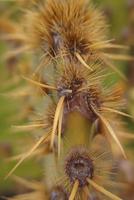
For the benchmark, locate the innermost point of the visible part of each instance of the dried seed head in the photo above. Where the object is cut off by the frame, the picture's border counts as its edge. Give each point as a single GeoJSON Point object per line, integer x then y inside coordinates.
{"type": "Point", "coordinates": [79, 166]}
{"type": "Point", "coordinates": [58, 193]}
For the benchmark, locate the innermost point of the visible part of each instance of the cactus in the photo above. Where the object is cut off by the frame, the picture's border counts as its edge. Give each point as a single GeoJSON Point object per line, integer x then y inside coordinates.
{"type": "Point", "coordinates": [76, 121]}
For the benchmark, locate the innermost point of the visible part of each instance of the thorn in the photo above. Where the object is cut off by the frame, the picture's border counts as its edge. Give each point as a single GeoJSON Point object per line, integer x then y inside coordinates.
{"type": "Point", "coordinates": [29, 126]}
{"type": "Point", "coordinates": [59, 132]}
{"type": "Point", "coordinates": [108, 46]}
{"type": "Point", "coordinates": [39, 84]}
{"type": "Point", "coordinates": [74, 190]}
{"type": "Point", "coordinates": [107, 42]}
{"type": "Point", "coordinates": [37, 152]}
{"type": "Point", "coordinates": [118, 112]}
{"type": "Point", "coordinates": [28, 184]}
{"type": "Point", "coordinates": [102, 190]}
{"type": "Point", "coordinates": [27, 154]}
{"type": "Point", "coordinates": [110, 130]}
{"type": "Point", "coordinates": [119, 57]}
{"type": "Point", "coordinates": [82, 61]}
{"type": "Point", "coordinates": [56, 119]}
{"type": "Point", "coordinates": [115, 69]}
